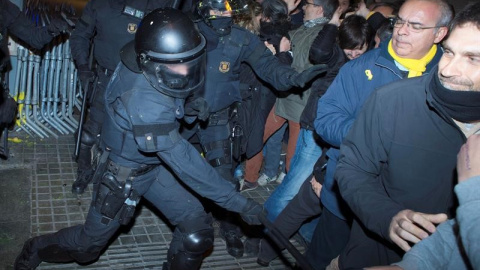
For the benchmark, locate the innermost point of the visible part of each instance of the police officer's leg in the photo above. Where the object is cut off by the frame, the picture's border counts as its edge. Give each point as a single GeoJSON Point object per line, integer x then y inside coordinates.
{"type": "Point", "coordinates": [84, 169]}
{"type": "Point", "coordinates": [81, 243]}
{"type": "Point", "coordinates": [91, 131]}
{"type": "Point", "coordinates": [193, 234]}
{"type": "Point", "coordinates": [217, 148]}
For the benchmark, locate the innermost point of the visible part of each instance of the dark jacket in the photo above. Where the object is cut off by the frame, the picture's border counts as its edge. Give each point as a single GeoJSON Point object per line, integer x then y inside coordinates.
{"type": "Point", "coordinates": [261, 95]}
{"type": "Point", "coordinates": [141, 127]}
{"type": "Point", "coordinates": [224, 56]}
{"type": "Point", "coordinates": [324, 50]}
{"type": "Point", "coordinates": [15, 23]}
{"type": "Point", "coordinates": [401, 153]}
{"type": "Point", "coordinates": [110, 27]}
{"type": "Point", "coordinates": [339, 107]}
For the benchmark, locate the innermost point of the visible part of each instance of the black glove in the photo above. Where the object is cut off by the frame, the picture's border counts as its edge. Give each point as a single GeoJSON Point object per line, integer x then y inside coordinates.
{"type": "Point", "coordinates": [85, 75]}
{"type": "Point", "coordinates": [251, 212]}
{"type": "Point", "coordinates": [58, 26]}
{"type": "Point", "coordinates": [302, 78]}
{"type": "Point", "coordinates": [197, 106]}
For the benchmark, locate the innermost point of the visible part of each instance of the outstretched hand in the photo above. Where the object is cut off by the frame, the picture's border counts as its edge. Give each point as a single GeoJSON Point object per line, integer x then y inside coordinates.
{"type": "Point", "coordinates": [302, 78]}
{"type": "Point", "coordinates": [411, 227]}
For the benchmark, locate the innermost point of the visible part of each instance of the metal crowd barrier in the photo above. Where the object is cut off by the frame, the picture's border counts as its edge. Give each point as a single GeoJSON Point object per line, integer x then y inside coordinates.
{"type": "Point", "coordinates": [45, 85]}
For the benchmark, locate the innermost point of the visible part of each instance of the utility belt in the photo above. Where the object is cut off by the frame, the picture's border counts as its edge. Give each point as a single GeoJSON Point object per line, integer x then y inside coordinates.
{"type": "Point", "coordinates": [115, 197]}
{"type": "Point", "coordinates": [232, 146]}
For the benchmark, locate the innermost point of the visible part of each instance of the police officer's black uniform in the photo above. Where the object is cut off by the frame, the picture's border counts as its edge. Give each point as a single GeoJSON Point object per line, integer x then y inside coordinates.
{"type": "Point", "coordinates": [141, 147]}
{"type": "Point", "coordinates": [227, 47]}
{"type": "Point", "coordinates": [109, 25]}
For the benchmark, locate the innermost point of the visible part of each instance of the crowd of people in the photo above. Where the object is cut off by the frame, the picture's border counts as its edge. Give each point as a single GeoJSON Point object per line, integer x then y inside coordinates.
{"type": "Point", "coordinates": [378, 104]}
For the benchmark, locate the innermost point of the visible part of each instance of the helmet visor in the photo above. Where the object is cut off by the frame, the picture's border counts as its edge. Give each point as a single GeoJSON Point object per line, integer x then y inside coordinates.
{"type": "Point", "coordinates": [176, 79]}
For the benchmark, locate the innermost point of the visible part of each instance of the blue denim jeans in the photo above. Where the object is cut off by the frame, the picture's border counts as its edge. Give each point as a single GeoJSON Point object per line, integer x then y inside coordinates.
{"type": "Point", "coordinates": [272, 151]}
{"type": "Point", "coordinates": [306, 155]}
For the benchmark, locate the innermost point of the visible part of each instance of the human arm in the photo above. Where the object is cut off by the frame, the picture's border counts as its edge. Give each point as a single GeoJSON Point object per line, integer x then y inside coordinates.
{"type": "Point", "coordinates": [363, 153]}
{"type": "Point", "coordinates": [81, 37]}
{"type": "Point", "coordinates": [292, 5]}
{"type": "Point", "coordinates": [322, 49]}
{"type": "Point", "coordinates": [21, 27]}
{"type": "Point", "coordinates": [468, 194]}
{"type": "Point", "coordinates": [154, 125]}
{"type": "Point", "coordinates": [336, 111]}
{"type": "Point", "coordinates": [280, 75]}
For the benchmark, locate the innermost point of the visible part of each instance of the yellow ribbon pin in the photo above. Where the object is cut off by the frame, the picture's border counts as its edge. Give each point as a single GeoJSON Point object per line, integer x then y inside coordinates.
{"type": "Point", "coordinates": [368, 72]}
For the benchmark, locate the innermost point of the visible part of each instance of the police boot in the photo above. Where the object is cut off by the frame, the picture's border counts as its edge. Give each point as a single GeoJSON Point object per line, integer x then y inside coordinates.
{"type": "Point", "coordinates": [234, 243]}
{"type": "Point", "coordinates": [28, 258]}
{"type": "Point", "coordinates": [82, 181]}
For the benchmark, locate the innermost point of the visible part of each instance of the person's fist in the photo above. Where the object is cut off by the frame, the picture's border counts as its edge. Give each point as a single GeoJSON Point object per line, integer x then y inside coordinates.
{"type": "Point", "coordinates": [251, 212]}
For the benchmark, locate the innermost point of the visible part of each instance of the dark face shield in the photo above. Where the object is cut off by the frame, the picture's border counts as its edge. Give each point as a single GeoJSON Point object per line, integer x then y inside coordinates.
{"type": "Point", "coordinates": [175, 79]}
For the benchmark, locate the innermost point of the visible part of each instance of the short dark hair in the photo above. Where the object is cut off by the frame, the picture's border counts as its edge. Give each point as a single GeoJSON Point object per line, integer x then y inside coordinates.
{"type": "Point", "coordinates": [393, 6]}
{"type": "Point", "coordinates": [354, 31]}
{"type": "Point", "coordinates": [275, 10]}
{"type": "Point", "coordinates": [329, 7]}
{"type": "Point", "coordinates": [469, 14]}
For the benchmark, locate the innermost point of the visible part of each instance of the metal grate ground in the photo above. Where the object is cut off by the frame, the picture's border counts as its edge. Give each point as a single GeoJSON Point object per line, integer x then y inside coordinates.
{"type": "Point", "coordinates": [141, 246]}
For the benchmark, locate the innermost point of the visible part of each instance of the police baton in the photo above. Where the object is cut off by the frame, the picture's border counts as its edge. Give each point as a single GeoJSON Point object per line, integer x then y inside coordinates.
{"type": "Point", "coordinates": [279, 238]}
{"type": "Point", "coordinates": [78, 140]}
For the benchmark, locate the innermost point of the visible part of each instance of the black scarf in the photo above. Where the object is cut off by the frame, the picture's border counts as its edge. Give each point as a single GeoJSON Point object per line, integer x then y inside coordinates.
{"type": "Point", "coordinates": [463, 106]}
{"type": "Point", "coordinates": [212, 30]}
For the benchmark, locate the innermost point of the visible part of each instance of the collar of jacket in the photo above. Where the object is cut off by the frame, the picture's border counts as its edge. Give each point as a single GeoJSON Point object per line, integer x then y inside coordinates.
{"type": "Point", "coordinates": [312, 23]}
{"type": "Point", "coordinates": [385, 59]}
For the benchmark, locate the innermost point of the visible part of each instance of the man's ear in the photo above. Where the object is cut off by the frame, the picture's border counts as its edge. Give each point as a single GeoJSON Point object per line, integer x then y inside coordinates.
{"type": "Point", "coordinates": [441, 33]}
{"type": "Point", "coordinates": [320, 11]}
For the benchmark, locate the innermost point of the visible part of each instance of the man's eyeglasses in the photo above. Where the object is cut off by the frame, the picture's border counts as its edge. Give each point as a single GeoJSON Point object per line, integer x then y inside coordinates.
{"type": "Point", "coordinates": [414, 27]}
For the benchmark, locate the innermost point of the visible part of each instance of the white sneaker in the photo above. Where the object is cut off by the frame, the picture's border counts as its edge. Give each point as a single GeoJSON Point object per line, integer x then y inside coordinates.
{"type": "Point", "coordinates": [264, 179]}
{"type": "Point", "coordinates": [280, 177]}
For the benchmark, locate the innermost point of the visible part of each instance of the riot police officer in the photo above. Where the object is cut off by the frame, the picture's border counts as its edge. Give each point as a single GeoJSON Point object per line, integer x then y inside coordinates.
{"type": "Point", "coordinates": [221, 136]}
{"type": "Point", "coordinates": [107, 25]}
{"type": "Point", "coordinates": [141, 147]}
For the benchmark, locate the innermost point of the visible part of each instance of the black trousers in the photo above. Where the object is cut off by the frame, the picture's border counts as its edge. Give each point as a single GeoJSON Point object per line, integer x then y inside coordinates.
{"type": "Point", "coordinates": [304, 206]}
{"type": "Point", "coordinates": [329, 239]}
{"type": "Point", "coordinates": [365, 249]}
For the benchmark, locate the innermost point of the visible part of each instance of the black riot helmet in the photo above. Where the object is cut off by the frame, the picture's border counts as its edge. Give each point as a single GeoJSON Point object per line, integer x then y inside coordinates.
{"type": "Point", "coordinates": [234, 6]}
{"type": "Point", "coordinates": [169, 50]}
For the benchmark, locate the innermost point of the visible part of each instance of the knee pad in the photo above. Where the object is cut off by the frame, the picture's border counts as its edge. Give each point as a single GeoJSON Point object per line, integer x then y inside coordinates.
{"type": "Point", "coordinates": [197, 234]}
{"type": "Point", "coordinates": [88, 139]}
{"type": "Point", "coordinates": [196, 239]}
{"type": "Point", "coordinates": [198, 242]}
